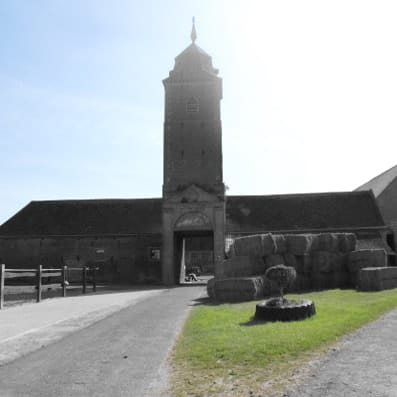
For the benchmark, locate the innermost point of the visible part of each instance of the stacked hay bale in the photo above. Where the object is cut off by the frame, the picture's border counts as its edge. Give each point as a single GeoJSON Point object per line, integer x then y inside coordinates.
{"type": "Point", "coordinates": [241, 277]}
{"type": "Point", "coordinates": [377, 278]}
{"type": "Point", "coordinates": [329, 258]}
{"type": "Point", "coordinates": [320, 261]}
{"type": "Point", "coordinates": [366, 258]}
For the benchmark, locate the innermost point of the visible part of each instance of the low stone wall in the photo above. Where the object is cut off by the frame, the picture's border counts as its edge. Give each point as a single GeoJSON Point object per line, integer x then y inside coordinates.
{"type": "Point", "coordinates": [377, 278]}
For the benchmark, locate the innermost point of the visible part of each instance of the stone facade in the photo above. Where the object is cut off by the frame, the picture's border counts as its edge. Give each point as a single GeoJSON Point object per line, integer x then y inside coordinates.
{"type": "Point", "coordinates": [128, 259]}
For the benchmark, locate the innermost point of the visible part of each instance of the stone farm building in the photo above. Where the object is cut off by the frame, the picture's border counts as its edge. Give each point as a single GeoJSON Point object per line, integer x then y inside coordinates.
{"type": "Point", "coordinates": [384, 188]}
{"type": "Point", "coordinates": [143, 240]}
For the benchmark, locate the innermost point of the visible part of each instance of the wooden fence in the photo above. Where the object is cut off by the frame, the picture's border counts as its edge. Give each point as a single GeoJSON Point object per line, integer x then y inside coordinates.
{"type": "Point", "coordinates": [40, 273]}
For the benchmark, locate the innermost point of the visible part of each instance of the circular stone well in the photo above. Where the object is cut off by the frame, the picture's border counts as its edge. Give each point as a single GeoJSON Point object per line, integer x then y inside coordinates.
{"type": "Point", "coordinates": [277, 310]}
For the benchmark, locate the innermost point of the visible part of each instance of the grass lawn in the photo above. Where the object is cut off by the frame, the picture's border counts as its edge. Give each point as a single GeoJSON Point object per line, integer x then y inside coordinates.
{"type": "Point", "coordinates": [223, 352]}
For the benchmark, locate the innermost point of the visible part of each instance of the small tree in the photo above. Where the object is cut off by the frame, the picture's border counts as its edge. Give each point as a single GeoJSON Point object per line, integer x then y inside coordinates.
{"type": "Point", "coordinates": [281, 275]}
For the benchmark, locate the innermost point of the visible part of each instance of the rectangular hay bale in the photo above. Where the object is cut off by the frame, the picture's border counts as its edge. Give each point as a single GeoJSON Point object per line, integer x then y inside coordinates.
{"type": "Point", "coordinates": [280, 243]}
{"type": "Point", "coordinates": [238, 289]}
{"type": "Point", "coordinates": [299, 244]}
{"type": "Point", "coordinates": [360, 259]}
{"type": "Point", "coordinates": [377, 278]}
{"type": "Point", "coordinates": [248, 246]}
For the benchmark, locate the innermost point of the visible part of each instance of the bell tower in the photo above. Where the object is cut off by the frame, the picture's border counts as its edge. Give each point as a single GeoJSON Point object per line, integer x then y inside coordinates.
{"type": "Point", "coordinates": [193, 188]}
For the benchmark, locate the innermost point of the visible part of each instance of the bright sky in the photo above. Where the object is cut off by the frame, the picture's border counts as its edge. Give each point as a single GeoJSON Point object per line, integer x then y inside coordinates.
{"type": "Point", "coordinates": [310, 94]}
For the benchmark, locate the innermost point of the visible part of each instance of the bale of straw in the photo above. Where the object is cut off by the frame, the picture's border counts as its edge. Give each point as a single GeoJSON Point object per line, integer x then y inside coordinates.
{"type": "Point", "coordinates": [362, 259]}
{"type": "Point", "coordinates": [321, 262]}
{"type": "Point", "coordinates": [330, 280]}
{"type": "Point", "coordinates": [322, 281]}
{"type": "Point", "coordinates": [328, 262]}
{"type": "Point", "coordinates": [268, 244]}
{"type": "Point", "coordinates": [248, 246]}
{"type": "Point", "coordinates": [347, 242]}
{"type": "Point", "coordinates": [290, 260]}
{"type": "Point", "coordinates": [241, 266]}
{"type": "Point", "coordinates": [298, 244]}
{"type": "Point", "coordinates": [211, 288]}
{"type": "Point", "coordinates": [280, 243]}
{"type": "Point", "coordinates": [273, 260]}
{"type": "Point", "coordinates": [302, 283]}
{"type": "Point", "coordinates": [238, 289]}
{"type": "Point", "coordinates": [377, 278]}
{"type": "Point", "coordinates": [327, 242]}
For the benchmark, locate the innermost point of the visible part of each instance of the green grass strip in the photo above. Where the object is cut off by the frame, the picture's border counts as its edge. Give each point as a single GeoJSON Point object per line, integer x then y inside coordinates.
{"type": "Point", "coordinates": [223, 341]}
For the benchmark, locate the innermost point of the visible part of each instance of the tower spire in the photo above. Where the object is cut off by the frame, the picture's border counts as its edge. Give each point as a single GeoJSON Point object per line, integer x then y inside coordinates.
{"type": "Point", "coordinates": [193, 35]}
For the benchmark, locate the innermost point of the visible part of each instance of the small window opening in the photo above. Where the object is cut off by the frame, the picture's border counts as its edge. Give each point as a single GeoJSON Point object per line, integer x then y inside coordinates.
{"type": "Point", "coordinates": [192, 106]}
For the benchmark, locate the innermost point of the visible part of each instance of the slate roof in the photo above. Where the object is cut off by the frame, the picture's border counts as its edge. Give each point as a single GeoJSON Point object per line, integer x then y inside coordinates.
{"type": "Point", "coordinates": [86, 217]}
{"type": "Point", "coordinates": [380, 182]}
{"type": "Point", "coordinates": [303, 212]}
{"type": "Point", "coordinates": [244, 214]}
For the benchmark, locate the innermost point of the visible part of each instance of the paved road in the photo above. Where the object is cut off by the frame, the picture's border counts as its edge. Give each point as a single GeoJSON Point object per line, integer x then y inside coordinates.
{"type": "Point", "coordinates": [365, 364]}
{"type": "Point", "coordinates": [121, 355]}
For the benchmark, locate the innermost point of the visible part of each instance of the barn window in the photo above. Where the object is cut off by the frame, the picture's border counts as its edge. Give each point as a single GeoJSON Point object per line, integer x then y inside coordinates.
{"type": "Point", "coordinates": [154, 253]}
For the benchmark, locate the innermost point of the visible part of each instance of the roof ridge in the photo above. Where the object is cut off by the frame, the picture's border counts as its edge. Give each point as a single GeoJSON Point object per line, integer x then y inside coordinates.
{"type": "Point", "coordinates": [95, 200]}
{"type": "Point", "coordinates": [290, 195]}
{"type": "Point", "coordinates": [378, 184]}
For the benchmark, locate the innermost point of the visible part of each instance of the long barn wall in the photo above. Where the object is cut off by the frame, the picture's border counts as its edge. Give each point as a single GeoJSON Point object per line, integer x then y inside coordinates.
{"type": "Point", "coordinates": [130, 259]}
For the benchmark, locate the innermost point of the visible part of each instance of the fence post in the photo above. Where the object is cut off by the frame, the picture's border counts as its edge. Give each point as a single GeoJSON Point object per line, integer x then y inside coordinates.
{"type": "Point", "coordinates": [64, 280]}
{"type": "Point", "coordinates": [94, 279]}
{"type": "Point", "coordinates": [39, 276]}
{"type": "Point", "coordinates": [2, 278]}
{"type": "Point", "coordinates": [84, 279]}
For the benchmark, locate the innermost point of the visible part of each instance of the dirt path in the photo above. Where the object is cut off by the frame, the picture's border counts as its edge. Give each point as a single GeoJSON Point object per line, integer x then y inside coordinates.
{"type": "Point", "coordinates": [363, 364]}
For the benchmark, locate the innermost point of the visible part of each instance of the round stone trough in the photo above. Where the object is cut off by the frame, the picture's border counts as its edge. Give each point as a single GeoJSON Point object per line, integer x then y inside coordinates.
{"type": "Point", "coordinates": [276, 309]}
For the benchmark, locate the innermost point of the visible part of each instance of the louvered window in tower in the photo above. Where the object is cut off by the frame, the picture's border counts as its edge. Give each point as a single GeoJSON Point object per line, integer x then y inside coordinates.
{"type": "Point", "coordinates": [192, 105]}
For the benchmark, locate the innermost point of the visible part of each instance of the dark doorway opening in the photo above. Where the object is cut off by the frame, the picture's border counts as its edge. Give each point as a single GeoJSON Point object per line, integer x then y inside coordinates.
{"type": "Point", "coordinates": [392, 245]}
{"type": "Point", "coordinates": [194, 253]}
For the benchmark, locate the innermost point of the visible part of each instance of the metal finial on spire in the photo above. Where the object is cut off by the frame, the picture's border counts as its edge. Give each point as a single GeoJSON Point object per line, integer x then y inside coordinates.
{"type": "Point", "coordinates": [193, 35]}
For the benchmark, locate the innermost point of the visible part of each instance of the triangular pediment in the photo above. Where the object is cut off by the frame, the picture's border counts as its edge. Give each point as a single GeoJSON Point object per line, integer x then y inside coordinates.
{"type": "Point", "coordinates": [193, 194]}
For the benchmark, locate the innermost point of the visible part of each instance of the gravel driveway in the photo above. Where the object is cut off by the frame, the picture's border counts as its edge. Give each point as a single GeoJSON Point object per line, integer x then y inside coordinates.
{"type": "Point", "coordinates": [363, 364]}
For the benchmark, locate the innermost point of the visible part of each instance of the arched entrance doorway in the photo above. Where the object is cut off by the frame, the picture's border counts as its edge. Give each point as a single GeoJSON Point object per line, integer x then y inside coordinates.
{"type": "Point", "coordinates": [193, 246]}
{"type": "Point", "coordinates": [194, 254]}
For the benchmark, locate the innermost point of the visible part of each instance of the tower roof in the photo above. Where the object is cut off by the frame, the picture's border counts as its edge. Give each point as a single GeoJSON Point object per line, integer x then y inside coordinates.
{"type": "Point", "coordinates": [193, 62]}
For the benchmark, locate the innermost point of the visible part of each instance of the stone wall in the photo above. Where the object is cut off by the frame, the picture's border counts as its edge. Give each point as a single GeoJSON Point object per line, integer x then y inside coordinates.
{"type": "Point", "coordinates": [130, 259]}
